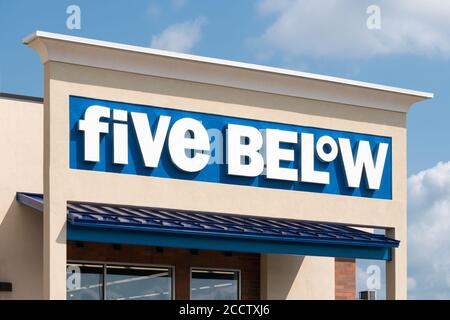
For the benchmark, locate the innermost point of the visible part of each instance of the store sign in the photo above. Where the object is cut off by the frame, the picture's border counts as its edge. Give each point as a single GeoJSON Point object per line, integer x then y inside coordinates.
{"type": "Point", "coordinates": [152, 141]}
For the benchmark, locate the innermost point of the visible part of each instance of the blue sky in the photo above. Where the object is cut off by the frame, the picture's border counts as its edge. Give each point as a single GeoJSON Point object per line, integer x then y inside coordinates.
{"type": "Point", "coordinates": [410, 50]}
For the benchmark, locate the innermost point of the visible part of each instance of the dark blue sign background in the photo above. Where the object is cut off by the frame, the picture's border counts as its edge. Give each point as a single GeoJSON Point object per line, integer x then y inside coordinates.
{"type": "Point", "coordinates": [217, 173]}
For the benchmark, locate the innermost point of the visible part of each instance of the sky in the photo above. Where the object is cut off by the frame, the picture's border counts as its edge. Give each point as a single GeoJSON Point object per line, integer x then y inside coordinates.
{"type": "Point", "coordinates": [404, 43]}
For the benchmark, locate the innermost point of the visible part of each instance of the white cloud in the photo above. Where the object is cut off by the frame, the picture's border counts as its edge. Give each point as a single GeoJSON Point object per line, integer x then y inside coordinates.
{"type": "Point", "coordinates": [178, 4]}
{"type": "Point", "coordinates": [277, 6]}
{"type": "Point", "coordinates": [429, 233]}
{"type": "Point", "coordinates": [338, 28]}
{"type": "Point", "coordinates": [181, 37]}
{"type": "Point", "coordinates": [412, 284]}
{"type": "Point", "coordinates": [154, 9]}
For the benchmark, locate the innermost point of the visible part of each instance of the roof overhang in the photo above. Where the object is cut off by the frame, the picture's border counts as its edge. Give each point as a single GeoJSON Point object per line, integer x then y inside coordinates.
{"type": "Point", "coordinates": [216, 231]}
{"type": "Point", "coordinates": [148, 61]}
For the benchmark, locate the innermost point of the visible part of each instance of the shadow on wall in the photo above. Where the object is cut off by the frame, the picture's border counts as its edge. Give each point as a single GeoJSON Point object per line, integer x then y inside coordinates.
{"type": "Point", "coordinates": [294, 267]}
{"type": "Point", "coordinates": [21, 238]}
{"type": "Point", "coordinates": [185, 89]}
{"type": "Point", "coordinates": [284, 270]}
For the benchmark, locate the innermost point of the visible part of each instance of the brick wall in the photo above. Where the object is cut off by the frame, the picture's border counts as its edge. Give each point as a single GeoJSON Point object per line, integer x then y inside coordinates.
{"type": "Point", "coordinates": [345, 279]}
{"type": "Point", "coordinates": [181, 259]}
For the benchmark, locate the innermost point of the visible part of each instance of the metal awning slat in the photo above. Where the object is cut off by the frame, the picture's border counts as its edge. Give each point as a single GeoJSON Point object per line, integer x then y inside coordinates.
{"type": "Point", "coordinates": [167, 222]}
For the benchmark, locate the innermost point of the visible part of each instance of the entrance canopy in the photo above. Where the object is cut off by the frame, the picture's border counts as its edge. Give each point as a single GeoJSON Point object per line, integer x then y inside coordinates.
{"type": "Point", "coordinates": [213, 231]}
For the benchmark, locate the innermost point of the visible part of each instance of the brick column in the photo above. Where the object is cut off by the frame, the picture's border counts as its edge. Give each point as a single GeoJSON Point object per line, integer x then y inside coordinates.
{"type": "Point", "coordinates": [345, 279]}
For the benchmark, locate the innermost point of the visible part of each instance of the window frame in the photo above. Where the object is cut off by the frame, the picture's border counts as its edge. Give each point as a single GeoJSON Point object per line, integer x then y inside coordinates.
{"type": "Point", "coordinates": [238, 271]}
{"type": "Point", "coordinates": [105, 264]}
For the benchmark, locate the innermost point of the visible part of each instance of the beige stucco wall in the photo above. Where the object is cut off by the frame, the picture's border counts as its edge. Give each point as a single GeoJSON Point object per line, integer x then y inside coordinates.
{"type": "Point", "coordinates": [21, 161]}
{"type": "Point", "coordinates": [297, 277]}
{"type": "Point", "coordinates": [62, 184]}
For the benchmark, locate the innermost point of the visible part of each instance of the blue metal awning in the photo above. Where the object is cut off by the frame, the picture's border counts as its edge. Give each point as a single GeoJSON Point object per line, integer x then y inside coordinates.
{"type": "Point", "coordinates": [214, 231]}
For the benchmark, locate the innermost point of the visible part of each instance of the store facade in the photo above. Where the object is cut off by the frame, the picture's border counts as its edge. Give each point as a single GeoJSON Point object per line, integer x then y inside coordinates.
{"type": "Point", "coordinates": [146, 174]}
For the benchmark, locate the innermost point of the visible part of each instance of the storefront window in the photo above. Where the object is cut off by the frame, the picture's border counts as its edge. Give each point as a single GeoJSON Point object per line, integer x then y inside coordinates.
{"type": "Point", "coordinates": [98, 282]}
{"type": "Point", "coordinates": [84, 282]}
{"type": "Point", "coordinates": [214, 284]}
{"type": "Point", "coordinates": [132, 283]}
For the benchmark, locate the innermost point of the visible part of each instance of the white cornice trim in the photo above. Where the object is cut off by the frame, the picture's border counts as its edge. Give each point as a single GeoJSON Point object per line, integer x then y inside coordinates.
{"type": "Point", "coordinates": [148, 61]}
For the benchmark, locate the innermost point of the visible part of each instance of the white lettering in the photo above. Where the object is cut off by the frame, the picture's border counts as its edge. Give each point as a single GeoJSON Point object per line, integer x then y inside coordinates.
{"type": "Point", "coordinates": [307, 172]}
{"type": "Point", "coordinates": [364, 160]}
{"type": "Point", "coordinates": [120, 137]}
{"type": "Point", "coordinates": [250, 152]}
{"type": "Point", "coordinates": [237, 151]}
{"type": "Point", "coordinates": [274, 154]}
{"type": "Point", "coordinates": [322, 154]}
{"type": "Point", "coordinates": [179, 143]}
{"type": "Point", "coordinates": [151, 147]}
{"type": "Point", "coordinates": [92, 128]}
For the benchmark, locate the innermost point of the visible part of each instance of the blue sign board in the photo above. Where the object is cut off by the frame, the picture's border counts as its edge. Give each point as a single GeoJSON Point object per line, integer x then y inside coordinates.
{"type": "Point", "coordinates": [123, 138]}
